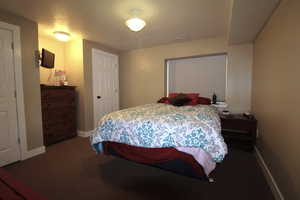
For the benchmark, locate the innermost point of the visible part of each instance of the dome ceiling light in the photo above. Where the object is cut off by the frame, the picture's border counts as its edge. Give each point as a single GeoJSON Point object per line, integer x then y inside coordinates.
{"type": "Point", "coordinates": [135, 23]}
{"type": "Point", "coordinates": [62, 36]}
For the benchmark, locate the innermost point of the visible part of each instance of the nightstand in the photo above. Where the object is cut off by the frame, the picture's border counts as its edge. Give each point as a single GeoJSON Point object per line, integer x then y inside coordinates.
{"type": "Point", "coordinates": [239, 131]}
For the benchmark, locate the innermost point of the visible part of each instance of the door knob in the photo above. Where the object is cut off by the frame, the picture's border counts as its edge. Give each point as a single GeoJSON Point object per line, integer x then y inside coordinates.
{"type": "Point", "coordinates": [98, 97]}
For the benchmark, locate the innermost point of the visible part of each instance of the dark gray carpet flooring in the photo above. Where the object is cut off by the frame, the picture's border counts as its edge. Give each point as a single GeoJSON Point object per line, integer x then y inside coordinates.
{"type": "Point", "coordinates": [72, 170]}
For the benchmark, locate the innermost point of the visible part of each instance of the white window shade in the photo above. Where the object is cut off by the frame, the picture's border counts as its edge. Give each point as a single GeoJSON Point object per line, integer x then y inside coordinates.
{"type": "Point", "coordinates": [205, 75]}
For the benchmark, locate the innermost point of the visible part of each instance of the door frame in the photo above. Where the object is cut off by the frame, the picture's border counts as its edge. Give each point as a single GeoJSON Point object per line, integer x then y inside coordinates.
{"type": "Point", "coordinates": [19, 88]}
{"type": "Point", "coordinates": [94, 95]}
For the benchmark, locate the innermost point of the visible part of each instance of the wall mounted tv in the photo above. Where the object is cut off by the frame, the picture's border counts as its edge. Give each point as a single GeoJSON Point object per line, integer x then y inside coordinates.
{"type": "Point", "coordinates": [47, 59]}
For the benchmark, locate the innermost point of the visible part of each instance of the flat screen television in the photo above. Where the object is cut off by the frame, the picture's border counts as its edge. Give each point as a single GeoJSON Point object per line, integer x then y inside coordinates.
{"type": "Point", "coordinates": [47, 59]}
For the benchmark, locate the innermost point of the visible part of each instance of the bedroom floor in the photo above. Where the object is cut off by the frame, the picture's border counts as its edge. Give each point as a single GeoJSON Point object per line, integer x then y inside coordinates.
{"type": "Point", "coordinates": [71, 170]}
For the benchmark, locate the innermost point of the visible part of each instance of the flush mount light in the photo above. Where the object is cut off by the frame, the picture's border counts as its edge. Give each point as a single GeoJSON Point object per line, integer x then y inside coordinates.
{"type": "Point", "coordinates": [62, 36]}
{"type": "Point", "coordinates": [135, 24]}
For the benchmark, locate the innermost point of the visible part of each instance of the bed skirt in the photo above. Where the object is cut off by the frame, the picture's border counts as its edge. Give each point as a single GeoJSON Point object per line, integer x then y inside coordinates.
{"type": "Point", "coordinates": [169, 159]}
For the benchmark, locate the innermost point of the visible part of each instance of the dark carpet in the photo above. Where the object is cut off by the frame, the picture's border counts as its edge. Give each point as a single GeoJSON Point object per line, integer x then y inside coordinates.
{"type": "Point", "coordinates": [72, 170]}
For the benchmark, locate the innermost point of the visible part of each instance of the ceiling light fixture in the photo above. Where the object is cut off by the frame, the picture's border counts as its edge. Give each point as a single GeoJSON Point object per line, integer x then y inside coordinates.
{"type": "Point", "coordinates": [135, 24]}
{"type": "Point", "coordinates": [62, 36]}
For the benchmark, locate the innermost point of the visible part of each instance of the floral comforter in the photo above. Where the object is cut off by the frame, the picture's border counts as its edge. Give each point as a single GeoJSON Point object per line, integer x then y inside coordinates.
{"type": "Point", "coordinates": [161, 125]}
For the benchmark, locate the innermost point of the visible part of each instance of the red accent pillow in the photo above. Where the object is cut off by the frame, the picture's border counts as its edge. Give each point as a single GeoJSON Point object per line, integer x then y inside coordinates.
{"type": "Point", "coordinates": [164, 100]}
{"type": "Point", "coordinates": [190, 95]}
{"type": "Point", "coordinates": [194, 97]}
{"type": "Point", "coordinates": [171, 95]}
{"type": "Point", "coordinates": [204, 101]}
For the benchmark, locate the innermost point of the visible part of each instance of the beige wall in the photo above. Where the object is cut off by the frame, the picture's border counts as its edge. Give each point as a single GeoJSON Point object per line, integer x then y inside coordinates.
{"type": "Point", "coordinates": [142, 71]}
{"type": "Point", "coordinates": [74, 71]}
{"type": "Point", "coordinates": [276, 96]}
{"type": "Point", "coordinates": [56, 47]}
{"type": "Point", "coordinates": [88, 79]}
{"type": "Point", "coordinates": [75, 56]}
{"type": "Point", "coordinates": [31, 80]}
{"type": "Point", "coordinates": [68, 57]}
{"type": "Point", "coordinates": [239, 77]}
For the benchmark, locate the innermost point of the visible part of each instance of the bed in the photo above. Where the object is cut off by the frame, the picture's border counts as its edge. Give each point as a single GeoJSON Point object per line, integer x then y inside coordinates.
{"type": "Point", "coordinates": [182, 139]}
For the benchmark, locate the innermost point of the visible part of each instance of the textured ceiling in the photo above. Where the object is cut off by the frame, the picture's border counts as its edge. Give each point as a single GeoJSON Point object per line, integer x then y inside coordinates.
{"type": "Point", "coordinates": [168, 21]}
{"type": "Point", "coordinates": [103, 20]}
{"type": "Point", "coordinates": [248, 18]}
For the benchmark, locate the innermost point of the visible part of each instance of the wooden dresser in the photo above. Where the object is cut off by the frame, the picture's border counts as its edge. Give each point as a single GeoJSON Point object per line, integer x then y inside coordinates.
{"type": "Point", "coordinates": [58, 113]}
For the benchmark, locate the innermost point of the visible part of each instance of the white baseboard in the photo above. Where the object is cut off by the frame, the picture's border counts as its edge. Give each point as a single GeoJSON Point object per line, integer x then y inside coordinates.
{"type": "Point", "coordinates": [33, 152]}
{"type": "Point", "coordinates": [270, 179]}
{"type": "Point", "coordinates": [84, 133]}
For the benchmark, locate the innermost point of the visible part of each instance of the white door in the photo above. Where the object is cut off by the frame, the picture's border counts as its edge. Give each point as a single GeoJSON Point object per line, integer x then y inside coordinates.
{"type": "Point", "coordinates": [105, 83]}
{"type": "Point", "coordinates": [9, 147]}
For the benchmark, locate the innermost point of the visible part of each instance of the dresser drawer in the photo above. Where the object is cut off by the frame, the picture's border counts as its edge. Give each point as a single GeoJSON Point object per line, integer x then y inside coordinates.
{"type": "Point", "coordinates": [58, 113]}
{"type": "Point", "coordinates": [58, 97]}
{"type": "Point", "coordinates": [59, 131]}
{"type": "Point", "coordinates": [53, 112]}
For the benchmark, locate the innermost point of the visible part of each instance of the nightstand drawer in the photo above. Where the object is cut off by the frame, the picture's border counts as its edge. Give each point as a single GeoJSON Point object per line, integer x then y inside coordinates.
{"type": "Point", "coordinates": [238, 125]}
{"type": "Point", "coordinates": [237, 135]}
{"type": "Point", "coordinates": [239, 131]}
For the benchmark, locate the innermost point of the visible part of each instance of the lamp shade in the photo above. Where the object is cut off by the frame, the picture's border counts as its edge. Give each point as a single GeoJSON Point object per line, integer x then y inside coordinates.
{"type": "Point", "coordinates": [135, 24]}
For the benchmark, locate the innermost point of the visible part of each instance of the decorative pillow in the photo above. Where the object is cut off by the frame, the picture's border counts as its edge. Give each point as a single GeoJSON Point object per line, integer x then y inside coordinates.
{"type": "Point", "coordinates": [164, 100]}
{"type": "Point", "coordinates": [192, 96]}
{"type": "Point", "coordinates": [194, 99]}
{"type": "Point", "coordinates": [171, 95]}
{"type": "Point", "coordinates": [204, 101]}
{"type": "Point", "coordinates": [179, 100]}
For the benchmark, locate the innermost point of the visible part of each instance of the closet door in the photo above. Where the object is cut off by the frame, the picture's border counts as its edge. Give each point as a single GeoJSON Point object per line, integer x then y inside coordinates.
{"type": "Point", "coordinates": [9, 146]}
{"type": "Point", "coordinates": [105, 83]}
